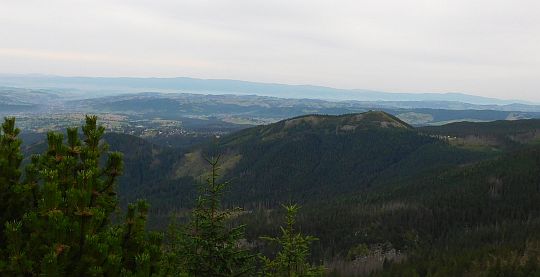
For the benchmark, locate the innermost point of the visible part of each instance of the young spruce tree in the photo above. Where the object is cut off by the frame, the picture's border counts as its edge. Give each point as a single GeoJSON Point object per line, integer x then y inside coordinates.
{"type": "Point", "coordinates": [291, 260]}
{"type": "Point", "coordinates": [208, 246]}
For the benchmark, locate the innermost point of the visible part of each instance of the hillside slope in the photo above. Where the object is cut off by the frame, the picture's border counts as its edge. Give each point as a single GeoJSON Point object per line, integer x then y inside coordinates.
{"type": "Point", "coordinates": [318, 156]}
{"type": "Point", "coordinates": [470, 221]}
{"type": "Point", "coordinates": [372, 188]}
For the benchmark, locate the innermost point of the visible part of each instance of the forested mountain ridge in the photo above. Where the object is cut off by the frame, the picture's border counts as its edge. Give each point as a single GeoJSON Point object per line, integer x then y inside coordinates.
{"type": "Point", "coordinates": [405, 190]}
{"type": "Point", "coordinates": [313, 156]}
{"type": "Point", "coordinates": [326, 124]}
{"type": "Point", "coordinates": [500, 134]}
{"type": "Point", "coordinates": [299, 159]}
{"type": "Point", "coordinates": [372, 188]}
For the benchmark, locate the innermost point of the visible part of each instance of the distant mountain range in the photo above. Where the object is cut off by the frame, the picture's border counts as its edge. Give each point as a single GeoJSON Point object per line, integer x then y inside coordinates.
{"type": "Point", "coordinates": [221, 86]}
{"type": "Point", "coordinates": [244, 109]}
{"type": "Point", "coordinates": [239, 102]}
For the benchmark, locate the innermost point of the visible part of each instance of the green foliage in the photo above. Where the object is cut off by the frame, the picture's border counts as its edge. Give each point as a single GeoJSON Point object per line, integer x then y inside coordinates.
{"type": "Point", "coordinates": [11, 191]}
{"type": "Point", "coordinates": [207, 245]}
{"type": "Point", "coordinates": [67, 230]}
{"type": "Point", "coordinates": [292, 259]}
{"type": "Point", "coordinates": [360, 250]}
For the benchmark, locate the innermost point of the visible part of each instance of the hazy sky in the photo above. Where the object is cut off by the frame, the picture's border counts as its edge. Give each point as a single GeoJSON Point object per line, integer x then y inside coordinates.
{"type": "Point", "coordinates": [482, 47]}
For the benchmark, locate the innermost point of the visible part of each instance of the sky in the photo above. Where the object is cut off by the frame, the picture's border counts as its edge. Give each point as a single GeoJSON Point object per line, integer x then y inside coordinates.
{"type": "Point", "coordinates": [481, 47]}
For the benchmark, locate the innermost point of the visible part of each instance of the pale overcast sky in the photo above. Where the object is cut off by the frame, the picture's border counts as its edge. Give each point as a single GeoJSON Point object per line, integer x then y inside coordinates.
{"type": "Point", "coordinates": [482, 47]}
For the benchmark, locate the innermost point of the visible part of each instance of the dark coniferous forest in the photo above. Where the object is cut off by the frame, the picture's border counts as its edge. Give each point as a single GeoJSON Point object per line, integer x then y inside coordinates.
{"type": "Point", "coordinates": [348, 195]}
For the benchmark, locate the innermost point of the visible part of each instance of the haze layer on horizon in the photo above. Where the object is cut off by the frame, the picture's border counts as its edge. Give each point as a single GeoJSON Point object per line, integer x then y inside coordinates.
{"type": "Point", "coordinates": [484, 47]}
